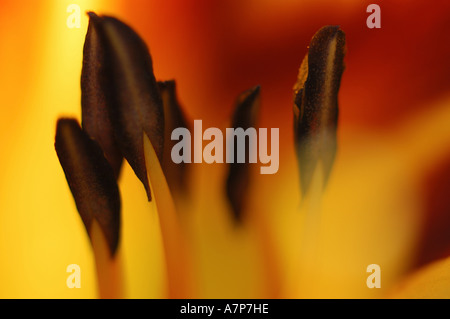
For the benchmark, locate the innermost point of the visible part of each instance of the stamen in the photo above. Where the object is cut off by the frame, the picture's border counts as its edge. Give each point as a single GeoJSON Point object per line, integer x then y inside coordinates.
{"type": "Point", "coordinates": [131, 91]}
{"type": "Point", "coordinates": [245, 115]}
{"type": "Point", "coordinates": [173, 118]}
{"type": "Point", "coordinates": [316, 104]}
{"type": "Point", "coordinates": [91, 180]}
{"type": "Point", "coordinates": [94, 107]}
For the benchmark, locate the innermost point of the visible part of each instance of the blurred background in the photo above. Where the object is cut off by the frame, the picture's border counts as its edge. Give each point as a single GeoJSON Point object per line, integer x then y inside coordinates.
{"type": "Point", "coordinates": [393, 123]}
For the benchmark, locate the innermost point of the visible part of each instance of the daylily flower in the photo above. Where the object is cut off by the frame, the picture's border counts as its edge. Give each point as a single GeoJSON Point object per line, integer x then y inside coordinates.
{"type": "Point", "coordinates": [384, 202]}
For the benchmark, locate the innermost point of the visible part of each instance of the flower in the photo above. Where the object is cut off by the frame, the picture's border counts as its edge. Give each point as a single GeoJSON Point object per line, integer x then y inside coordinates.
{"type": "Point", "coordinates": [374, 197]}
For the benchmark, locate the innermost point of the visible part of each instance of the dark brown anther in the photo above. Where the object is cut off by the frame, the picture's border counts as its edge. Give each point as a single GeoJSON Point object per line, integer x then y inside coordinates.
{"type": "Point", "coordinates": [131, 91]}
{"type": "Point", "coordinates": [316, 104]}
{"type": "Point", "coordinates": [245, 117]}
{"type": "Point", "coordinates": [91, 180]}
{"type": "Point", "coordinates": [94, 109]}
{"type": "Point", "coordinates": [173, 118]}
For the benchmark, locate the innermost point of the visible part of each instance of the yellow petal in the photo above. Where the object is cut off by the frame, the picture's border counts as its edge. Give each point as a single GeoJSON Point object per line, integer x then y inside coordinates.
{"type": "Point", "coordinates": [432, 281]}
